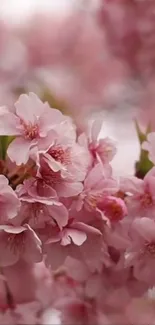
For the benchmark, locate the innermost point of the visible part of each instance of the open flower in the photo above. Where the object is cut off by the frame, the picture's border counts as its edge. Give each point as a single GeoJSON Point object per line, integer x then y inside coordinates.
{"type": "Point", "coordinates": [141, 252]}
{"type": "Point", "coordinates": [140, 198]}
{"type": "Point", "coordinates": [30, 123]}
{"type": "Point", "coordinates": [62, 162]}
{"type": "Point", "coordinates": [102, 150]}
{"type": "Point", "coordinates": [36, 188]}
{"type": "Point", "coordinates": [19, 243]}
{"type": "Point", "coordinates": [64, 187]}
{"type": "Point", "coordinates": [97, 185]}
{"type": "Point", "coordinates": [63, 154]}
{"type": "Point", "coordinates": [68, 243]}
{"type": "Point", "coordinates": [37, 208]}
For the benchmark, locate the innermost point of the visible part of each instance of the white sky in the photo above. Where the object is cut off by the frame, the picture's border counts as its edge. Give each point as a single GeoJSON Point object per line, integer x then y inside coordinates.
{"type": "Point", "coordinates": [16, 10]}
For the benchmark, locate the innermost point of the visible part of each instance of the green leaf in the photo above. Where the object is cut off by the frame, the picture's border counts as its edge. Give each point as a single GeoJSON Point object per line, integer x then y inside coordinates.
{"type": "Point", "coordinates": [4, 143]}
{"type": "Point", "coordinates": [143, 165]}
{"type": "Point", "coordinates": [142, 136]}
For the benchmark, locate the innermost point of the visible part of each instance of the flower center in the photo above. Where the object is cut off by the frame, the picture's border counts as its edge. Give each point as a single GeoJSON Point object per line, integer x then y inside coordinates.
{"type": "Point", "coordinates": [91, 201]}
{"type": "Point", "coordinates": [50, 177]}
{"type": "Point", "coordinates": [150, 248]}
{"type": "Point", "coordinates": [146, 200]}
{"type": "Point", "coordinates": [31, 131]}
{"type": "Point", "coordinates": [116, 211]}
{"type": "Point", "coordinates": [93, 148]}
{"type": "Point", "coordinates": [16, 242]}
{"type": "Point", "coordinates": [60, 155]}
{"type": "Point", "coordinates": [36, 211]}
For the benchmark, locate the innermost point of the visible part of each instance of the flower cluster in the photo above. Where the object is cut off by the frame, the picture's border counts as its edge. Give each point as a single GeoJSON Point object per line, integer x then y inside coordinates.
{"type": "Point", "coordinates": [77, 244]}
{"type": "Point", "coordinates": [64, 213]}
{"type": "Point", "coordinates": [58, 181]}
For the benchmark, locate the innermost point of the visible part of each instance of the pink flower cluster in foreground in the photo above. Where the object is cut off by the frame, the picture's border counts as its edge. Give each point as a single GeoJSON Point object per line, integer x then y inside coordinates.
{"type": "Point", "coordinates": [87, 238]}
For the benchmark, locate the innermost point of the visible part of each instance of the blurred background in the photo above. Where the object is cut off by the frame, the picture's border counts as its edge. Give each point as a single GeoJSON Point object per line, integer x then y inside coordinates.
{"type": "Point", "coordinates": [85, 57]}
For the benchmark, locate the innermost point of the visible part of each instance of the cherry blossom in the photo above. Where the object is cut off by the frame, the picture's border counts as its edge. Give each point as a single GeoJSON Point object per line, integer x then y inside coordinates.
{"type": "Point", "coordinates": [19, 242]}
{"type": "Point", "coordinates": [98, 184]}
{"type": "Point", "coordinates": [65, 243]}
{"type": "Point", "coordinates": [140, 198]}
{"type": "Point", "coordinates": [103, 150]}
{"type": "Point", "coordinates": [9, 202]}
{"type": "Point", "coordinates": [82, 239]}
{"type": "Point", "coordinates": [140, 253]}
{"type": "Point", "coordinates": [30, 122]}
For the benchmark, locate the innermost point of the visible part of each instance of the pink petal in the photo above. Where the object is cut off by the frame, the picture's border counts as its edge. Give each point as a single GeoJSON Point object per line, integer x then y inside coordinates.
{"type": "Point", "coordinates": [130, 258]}
{"type": "Point", "coordinates": [78, 237]}
{"type": "Point", "coordinates": [80, 162]}
{"type": "Point", "coordinates": [60, 214]}
{"type": "Point", "coordinates": [37, 188]}
{"type": "Point", "coordinates": [67, 189]}
{"type": "Point", "coordinates": [19, 151]}
{"type": "Point", "coordinates": [53, 239]}
{"type": "Point", "coordinates": [21, 279]}
{"type": "Point", "coordinates": [47, 140]}
{"type": "Point", "coordinates": [12, 229]}
{"type": "Point", "coordinates": [145, 227]}
{"type": "Point", "coordinates": [106, 150]}
{"type": "Point", "coordinates": [52, 163]}
{"type": "Point", "coordinates": [78, 204]}
{"type": "Point", "coordinates": [86, 228]}
{"type": "Point", "coordinates": [149, 146]}
{"type": "Point", "coordinates": [77, 270]}
{"type": "Point", "coordinates": [150, 186]}
{"type": "Point", "coordinates": [66, 239]}
{"type": "Point", "coordinates": [91, 251]}
{"type": "Point", "coordinates": [67, 132]}
{"type": "Point", "coordinates": [8, 256]}
{"type": "Point", "coordinates": [29, 108]}
{"type": "Point", "coordinates": [56, 256]}
{"type": "Point", "coordinates": [9, 124]}
{"type": "Point", "coordinates": [33, 251]}
{"type": "Point", "coordinates": [132, 185]}
{"type": "Point", "coordinates": [3, 182]}
{"type": "Point", "coordinates": [10, 204]}
{"type": "Point", "coordinates": [95, 175]}
{"type": "Point", "coordinates": [93, 286]}
{"type": "Point", "coordinates": [108, 186]}
{"type": "Point", "coordinates": [96, 128]}
{"type": "Point", "coordinates": [83, 140]}
{"type": "Point", "coordinates": [151, 137]}
{"type": "Point", "coordinates": [99, 179]}
{"type": "Point", "coordinates": [50, 118]}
